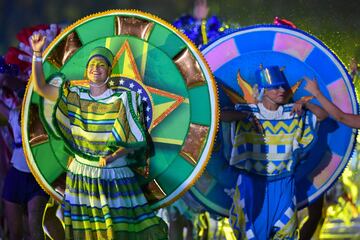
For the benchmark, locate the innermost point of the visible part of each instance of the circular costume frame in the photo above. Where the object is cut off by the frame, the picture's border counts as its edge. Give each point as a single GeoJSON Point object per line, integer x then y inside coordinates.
{"type": "Point", "coordinates": [173, 80]}
{"type": "Point", "coordinates": [234, 59]}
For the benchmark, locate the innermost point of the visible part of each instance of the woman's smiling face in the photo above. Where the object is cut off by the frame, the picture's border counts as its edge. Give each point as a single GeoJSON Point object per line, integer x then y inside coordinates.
{"type": "Point", "coordinates": [98, 70]}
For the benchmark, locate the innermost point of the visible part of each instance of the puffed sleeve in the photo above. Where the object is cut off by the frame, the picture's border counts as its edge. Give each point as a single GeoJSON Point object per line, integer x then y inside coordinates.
{"type": "Point", "coordinates": [128, 129]}
{"type": "Point", "coordinates": [61, 121]}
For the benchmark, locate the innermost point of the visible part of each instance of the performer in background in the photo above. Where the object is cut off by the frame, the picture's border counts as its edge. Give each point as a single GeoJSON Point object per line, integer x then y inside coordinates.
{"type": "Point", "coordinates": [198, 27]}
{"type": "Point", "coordinates": [354, 70]}
{"type": "Point", "coordinates": [103, 128]}
{"type": "Point", "coordinates": [21, 194]}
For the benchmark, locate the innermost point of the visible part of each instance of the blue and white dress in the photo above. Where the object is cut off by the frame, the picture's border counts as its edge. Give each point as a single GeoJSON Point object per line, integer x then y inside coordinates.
{"type": "Point", "coordinates": [266, 147]}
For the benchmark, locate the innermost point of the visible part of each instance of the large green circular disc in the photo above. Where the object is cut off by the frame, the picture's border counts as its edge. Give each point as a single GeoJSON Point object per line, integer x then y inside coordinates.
{"type": "Point", "coordinates": [164, 67]}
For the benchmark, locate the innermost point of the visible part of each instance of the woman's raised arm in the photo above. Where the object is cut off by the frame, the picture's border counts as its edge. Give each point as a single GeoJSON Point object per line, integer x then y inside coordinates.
{"type": "Point", "coordinates": [44, 89]}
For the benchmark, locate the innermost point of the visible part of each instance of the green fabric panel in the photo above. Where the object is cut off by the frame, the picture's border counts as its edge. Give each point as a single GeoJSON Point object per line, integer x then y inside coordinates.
{"type": "Point", "coordinates": [49, 68]}
{"type": "Point", "coordinates": [162, 73]}
{"type": "Point", "coordinates": [105, 25]}
{"type": "Point", "coordinates": [165, 155]}
{"type": "Point", "coordinates": [180, 116]}
{"type": "Point", "coordinates": [177, 172]}
{"type": "Point", "coordinates": [166, 40]}
{"type": "Point", "coordinates": [46, 161]}
{"type": "Point", "coordinates": [58, 149]}
{"type": "Point", "coordinates": [35, 98]}
{"type": "Point", "coordinates": [202, 109]}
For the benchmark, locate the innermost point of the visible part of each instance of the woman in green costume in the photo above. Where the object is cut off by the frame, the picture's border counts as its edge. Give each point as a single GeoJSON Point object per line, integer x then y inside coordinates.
{"type": "Point", "coordinates": [101, 127]}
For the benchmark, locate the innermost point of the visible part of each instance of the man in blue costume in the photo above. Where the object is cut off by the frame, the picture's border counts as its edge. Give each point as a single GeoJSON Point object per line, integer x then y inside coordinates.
{"type": "Point", "coordinates": [268, 140]}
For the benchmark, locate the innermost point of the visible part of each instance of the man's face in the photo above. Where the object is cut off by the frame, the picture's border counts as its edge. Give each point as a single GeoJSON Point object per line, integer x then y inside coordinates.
{"type": "Point", "coordinates": [277, 95]}
{"type": "Point", "coordinates": [97, 70]}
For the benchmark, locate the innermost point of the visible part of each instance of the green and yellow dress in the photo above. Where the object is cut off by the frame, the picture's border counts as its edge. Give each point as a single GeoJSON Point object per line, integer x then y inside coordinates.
{"type": "Point", "coordinates": [103, 202]}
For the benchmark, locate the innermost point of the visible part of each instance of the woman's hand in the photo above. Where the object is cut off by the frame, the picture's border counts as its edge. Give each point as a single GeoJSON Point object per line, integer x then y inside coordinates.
{"type": "Point", "coordinates": [299, 105]}
{"type": "Point", "coordinates": [312, 86]}
{"type": "Point", "coordinates": [297, 108]}
{"type": "Point", "coordinates": [103, 161]}
{"type": "Point", "coordinates": [37, 42]}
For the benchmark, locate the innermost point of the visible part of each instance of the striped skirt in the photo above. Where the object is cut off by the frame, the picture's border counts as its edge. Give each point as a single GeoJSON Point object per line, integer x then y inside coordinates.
{"type": "Point", "coordinates": [107, 203]}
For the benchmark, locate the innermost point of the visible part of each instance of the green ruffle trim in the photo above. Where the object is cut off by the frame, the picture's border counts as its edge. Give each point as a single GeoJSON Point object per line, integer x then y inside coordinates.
{"type": "Point", "coordinates": [154, 232]}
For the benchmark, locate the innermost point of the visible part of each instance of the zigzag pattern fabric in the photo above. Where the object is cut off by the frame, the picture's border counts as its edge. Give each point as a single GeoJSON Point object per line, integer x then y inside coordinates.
{"type": "Point", "coordinates": [268, 143]}
{"type": "Point", "coordinates": [103, 202]}
{"type": "Point", "coordinates": [266, 146]}
{"type": "Point", "coordinates": [239, 219]}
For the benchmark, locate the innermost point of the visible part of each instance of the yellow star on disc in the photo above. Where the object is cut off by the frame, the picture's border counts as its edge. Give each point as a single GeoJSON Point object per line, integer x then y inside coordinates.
{"type": "Point", "coordinates": [125, 67]}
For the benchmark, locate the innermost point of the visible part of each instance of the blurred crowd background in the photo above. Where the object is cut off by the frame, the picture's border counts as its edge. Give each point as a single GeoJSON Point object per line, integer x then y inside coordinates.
{"type": "Point", "coordinates": [336, 23]}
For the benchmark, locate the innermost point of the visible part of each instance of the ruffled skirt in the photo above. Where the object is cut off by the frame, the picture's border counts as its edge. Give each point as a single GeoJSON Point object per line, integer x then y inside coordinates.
{"type": "Point", "coordinates": [107, 203]}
